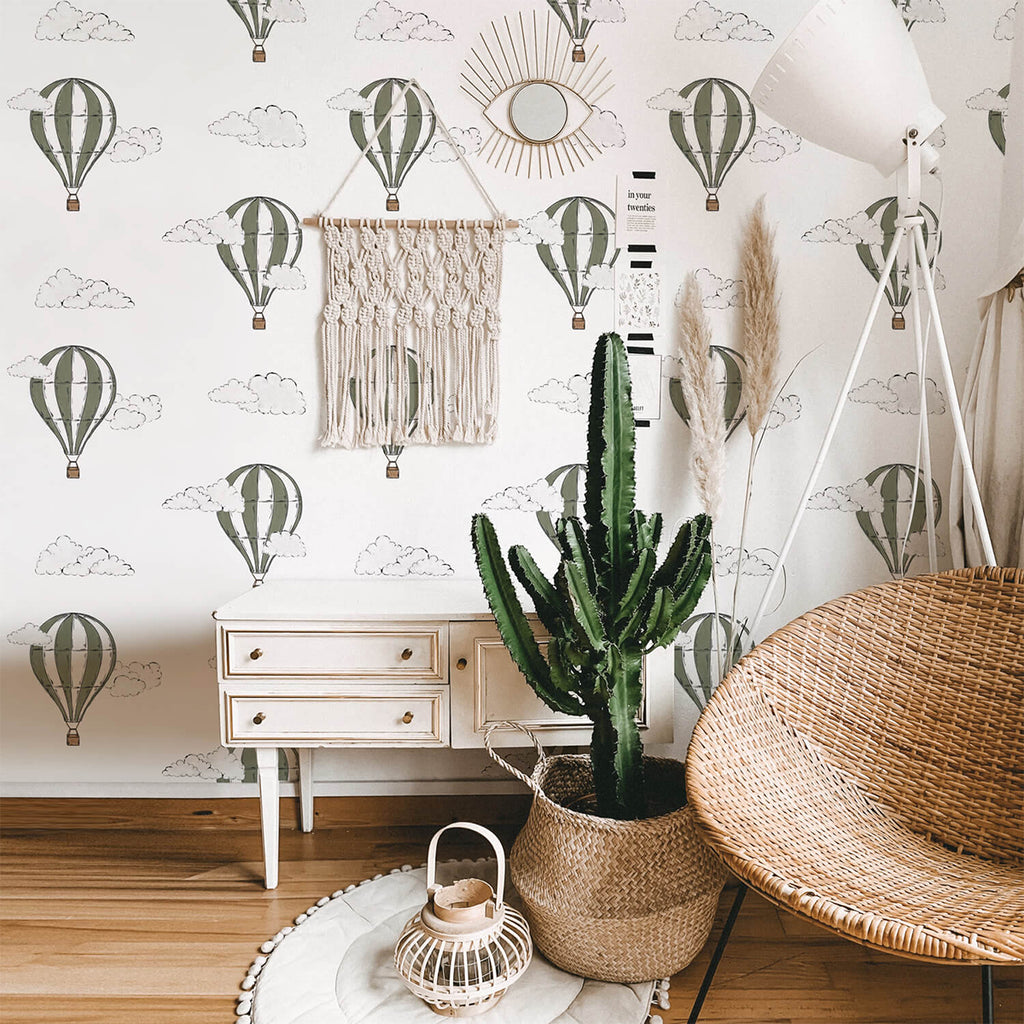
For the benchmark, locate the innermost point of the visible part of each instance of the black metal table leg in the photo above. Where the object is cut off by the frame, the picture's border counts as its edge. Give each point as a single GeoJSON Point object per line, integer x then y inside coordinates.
{"type": "Point", "coordinates": [723, 939]}
{"type": "Point", "coordinates": [988, 1012]}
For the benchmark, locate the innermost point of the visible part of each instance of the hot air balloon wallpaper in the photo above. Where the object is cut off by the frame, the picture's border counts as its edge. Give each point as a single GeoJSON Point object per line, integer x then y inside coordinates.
{"type": "Point", "coordinates": [262, 260]}
{"type": "Point", "coordinates": [729, 367]}
{"type": "Point", "coordinates": [897, 291]}
{"type": "Point", "coordinates": [712, 128]}
{"type": "Point", "coordinates": [74, 398]}
{"type": "Point", "coordinates": [75, 667]}
{"type": "Point", "coordinates": [710, 642]}
{"type": "Point", "coordinates": [583, 259]}
{"type": "Point", "coordinates": [997, 120]}
{"type": "Point", "coordinates": [579, 17]}
{"type": "Point", "coordinates": [404, 136]}
{"type": "Point", "coordinates": [400, 413]}
{"type": "Point", "coordinates": [74, 133]}
{"type": "Point", "coordinates": [260, 16]}
{"type": "Point", "coordinates": [272, 507]}
{"type": "Point", "coordinates": [569, 482]}
{"type": "Point", "coordinates": [925, 11]}
{"type": "Point", "coordinates": [897, 529]}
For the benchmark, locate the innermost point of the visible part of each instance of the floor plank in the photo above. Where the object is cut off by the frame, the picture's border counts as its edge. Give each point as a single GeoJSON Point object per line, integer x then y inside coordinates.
{"type": "Point", "coordinates": [118, 911]}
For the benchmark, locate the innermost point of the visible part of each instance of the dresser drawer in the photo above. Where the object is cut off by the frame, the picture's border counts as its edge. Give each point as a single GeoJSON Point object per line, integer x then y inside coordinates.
{"type": "Point", "coordinates": [417, 718]}
{"type": "Point", "coordinates": [416, 652]}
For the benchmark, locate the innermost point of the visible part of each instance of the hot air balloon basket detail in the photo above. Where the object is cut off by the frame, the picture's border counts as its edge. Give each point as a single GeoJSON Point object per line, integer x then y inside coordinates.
{"type": "Point", "coordinates": [410, 333]}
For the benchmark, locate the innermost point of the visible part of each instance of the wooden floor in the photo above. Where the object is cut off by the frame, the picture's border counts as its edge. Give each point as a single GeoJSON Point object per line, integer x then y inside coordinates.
{"type": "Point", "coordinates": [150, 911]}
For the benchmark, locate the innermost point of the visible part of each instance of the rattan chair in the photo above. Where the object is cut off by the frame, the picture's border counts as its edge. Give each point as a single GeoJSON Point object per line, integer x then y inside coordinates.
{"type": "Point", "coordinates": [863, 767]}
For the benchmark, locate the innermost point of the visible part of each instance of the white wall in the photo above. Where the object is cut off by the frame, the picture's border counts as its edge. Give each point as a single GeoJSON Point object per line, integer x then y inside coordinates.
{"type": "Point", "coordinates": [184, 66]}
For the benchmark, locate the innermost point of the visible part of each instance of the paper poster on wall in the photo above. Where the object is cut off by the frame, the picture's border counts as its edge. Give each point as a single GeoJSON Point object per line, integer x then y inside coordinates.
{"type": "Point", "coordinates": [645, 378]}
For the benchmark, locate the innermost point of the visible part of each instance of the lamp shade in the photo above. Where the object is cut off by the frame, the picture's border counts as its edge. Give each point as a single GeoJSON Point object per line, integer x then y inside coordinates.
{"type": "Point", "coordinates": [848, 78]}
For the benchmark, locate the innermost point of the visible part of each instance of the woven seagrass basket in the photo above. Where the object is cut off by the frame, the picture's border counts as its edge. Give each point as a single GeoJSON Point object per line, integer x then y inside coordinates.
{"type": "Point", "coordinates": [623, 901]}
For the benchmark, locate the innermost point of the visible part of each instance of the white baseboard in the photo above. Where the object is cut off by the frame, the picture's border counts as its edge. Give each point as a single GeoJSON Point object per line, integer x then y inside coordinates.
{"type": "Point", "coordinates": [220, 790]}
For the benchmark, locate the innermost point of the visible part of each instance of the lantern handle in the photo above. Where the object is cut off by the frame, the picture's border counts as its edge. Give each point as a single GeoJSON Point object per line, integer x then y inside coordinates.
{"type": "Point", "coordinates": [489, 836]}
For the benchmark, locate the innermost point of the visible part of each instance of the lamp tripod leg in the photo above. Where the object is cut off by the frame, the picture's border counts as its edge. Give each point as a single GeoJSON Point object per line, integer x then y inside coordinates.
{"type": "Point", "coordinates": [981, 523]}
{"type": "Point", "coordinates": [924, 433]}
{"type": "Point", "coordinates": [830, 430]}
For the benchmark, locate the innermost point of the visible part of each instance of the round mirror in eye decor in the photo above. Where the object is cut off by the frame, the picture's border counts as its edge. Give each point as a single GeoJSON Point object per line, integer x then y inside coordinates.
{"type": "Point", "coordinates": [538, 111]}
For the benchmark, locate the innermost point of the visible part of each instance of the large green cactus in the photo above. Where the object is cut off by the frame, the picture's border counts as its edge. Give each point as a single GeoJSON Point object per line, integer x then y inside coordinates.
{"type": "Point", "coordinates": [609, 603]}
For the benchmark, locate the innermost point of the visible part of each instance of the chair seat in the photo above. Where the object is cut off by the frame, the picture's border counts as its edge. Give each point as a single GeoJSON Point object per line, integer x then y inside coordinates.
{"type": "Point", "coordinates": [810, 838]}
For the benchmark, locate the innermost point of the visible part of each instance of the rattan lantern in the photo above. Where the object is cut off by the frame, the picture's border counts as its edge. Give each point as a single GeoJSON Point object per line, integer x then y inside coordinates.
{"type": "Point", "coordinates": [463, 950]}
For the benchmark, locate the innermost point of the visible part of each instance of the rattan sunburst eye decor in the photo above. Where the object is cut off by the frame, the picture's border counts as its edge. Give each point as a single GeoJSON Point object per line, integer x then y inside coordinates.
{"type": "Point", "coordinates": [536, 99]}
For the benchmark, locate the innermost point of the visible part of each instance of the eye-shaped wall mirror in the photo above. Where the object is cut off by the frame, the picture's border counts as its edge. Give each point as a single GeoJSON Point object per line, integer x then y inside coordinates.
{"type": "Point", "coordinates": [536, 99]}
{"type": "Point", "coordinates": [538, 111]}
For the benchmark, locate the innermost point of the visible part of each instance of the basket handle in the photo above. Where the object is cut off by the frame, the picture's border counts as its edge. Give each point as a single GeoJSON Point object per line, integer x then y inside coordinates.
{"type": "Point", "coordinates": [488, 835]}
{"type": "Point", "coordinates": [541, 756]}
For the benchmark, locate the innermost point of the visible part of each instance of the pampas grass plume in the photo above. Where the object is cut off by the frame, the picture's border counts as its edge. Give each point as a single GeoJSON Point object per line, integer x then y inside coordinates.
{"type": "Point", "coordinates": [760, 317]}
{"type": "Point", "coordinates": [703, 400]}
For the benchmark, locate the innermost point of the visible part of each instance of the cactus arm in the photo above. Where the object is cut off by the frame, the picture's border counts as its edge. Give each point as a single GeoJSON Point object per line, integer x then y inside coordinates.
{"type": "Point", "coordinates": [563, 678]}
{"type": "Point", "coordinates": [636, 589]}
{"type": "Point", "coordinates": [646, 529]}
{"type": "Point", "coordinates": [586, 614]}
{"type": "Point", "coordinates": [573, 542]}
{"type": "Point", "coordinates": [688, 547]}
{"type": "Point", "coordinates": [659, 616]}
{"type": "Point", "coordinates": [623, 703]}
{"type": "Point", "coordinates": [550, 606]}
{"type": "Point", "coordinates": [611, 471]}
{"type": "Point", "coordinates": [504, 603]}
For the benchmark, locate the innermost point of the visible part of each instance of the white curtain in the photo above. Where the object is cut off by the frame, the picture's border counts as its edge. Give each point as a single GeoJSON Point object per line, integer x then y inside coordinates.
{"type": "Point", "coordinates": [993, 397]}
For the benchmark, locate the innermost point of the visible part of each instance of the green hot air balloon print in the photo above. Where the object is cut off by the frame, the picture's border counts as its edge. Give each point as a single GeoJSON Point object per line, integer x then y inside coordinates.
{"type": "Point", "coordinates": [997, 121]}
{"type": "Point", "coordinates": [404, 136]}
{"type": "Point", "coordinates": [568, 481]}
{"type": "Point", "coordinates": [588, 243]}
{"type": "Point", "coordinates": [75, 132]}
{"type": "Point", "coordinates": [572, 15]}
{"type": "Point", "coordinates": [75, 667]}
{"type": "Point", "coordinates": [401, 414]}
{"type": "Point", "coordinates": [273, 238]}
{"type": "Point", "coordinates": [896, 529]}
{"type": "Point", "coordinates": [258, 22]}
{"type": "Point", "coordinates": [711, 642]}
{"type": "Point", "coordinates": [272, 505]}
{"type": "Point", "coordinates": [75, 399]}
{"type": "Point", "coordinates": [729, 367]}
{"type": "Point", "coordinates": [712, 130]}
{"type": "Point", "coordinates": [885, 213]}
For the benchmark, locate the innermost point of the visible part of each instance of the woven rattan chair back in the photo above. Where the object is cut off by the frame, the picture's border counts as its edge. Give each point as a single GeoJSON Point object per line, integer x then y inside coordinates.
{"type": "Point", "coordinates": [915, 689]}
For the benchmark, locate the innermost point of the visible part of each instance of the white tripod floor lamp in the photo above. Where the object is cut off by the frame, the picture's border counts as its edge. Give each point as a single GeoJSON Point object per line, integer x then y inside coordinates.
{"type": "Point", "coordinates": [849, 79]}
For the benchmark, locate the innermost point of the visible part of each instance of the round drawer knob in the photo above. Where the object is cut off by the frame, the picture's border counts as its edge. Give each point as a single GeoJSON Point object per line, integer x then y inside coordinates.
{"type": "Point", "coordinates": [407, 717]}
{"type": "Point", "coordinates": [461, 663]}
{"type": "Point", "coordinates": [256, 654]}
{"type": "Point", "coordinates": [407, 654]}
{"type": "Point", "coordinates": [258, 718]}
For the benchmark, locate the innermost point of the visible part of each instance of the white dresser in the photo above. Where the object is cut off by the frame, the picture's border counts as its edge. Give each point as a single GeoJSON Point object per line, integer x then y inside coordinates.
{"type": "Point", "coordinates": [376, 663]}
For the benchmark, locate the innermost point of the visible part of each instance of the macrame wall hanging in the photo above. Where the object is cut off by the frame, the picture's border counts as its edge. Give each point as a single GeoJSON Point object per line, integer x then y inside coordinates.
{"type": "Point", "coordinates": [411, 320]}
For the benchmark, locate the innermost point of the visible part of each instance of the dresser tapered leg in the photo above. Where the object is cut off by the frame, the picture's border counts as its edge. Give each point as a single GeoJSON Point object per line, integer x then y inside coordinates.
{"type": "Point", "coordinates": [306, 788]}
{"type": "Point", "coordinates": [266, 767]}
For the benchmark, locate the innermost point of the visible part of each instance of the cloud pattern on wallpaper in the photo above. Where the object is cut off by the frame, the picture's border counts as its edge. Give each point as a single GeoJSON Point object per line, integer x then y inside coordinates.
{"type": "Point", "coordinates": [66, 23]}
{"type": "Point", "coordinates": [268, 394]}
{"type": "Point", "coordinates": [716, 292]}
{"type": "Point", "coordinates": [706, 23]}
{"type": "Point", "coordinates": [258, 241]}
{"type": "Point", "coordinates": [260, 16]}
{"type": "Point", "coordinates": [891, 512]}
{"type": "Point", "coordinates": [1006, 24]}
{"type": "Point", "coordinates": [386, 557]}
{"type": "Point", "coordinates": [900, 394]}
{"type": "Point", "coordinates": [258, 507]}
{"type": "Point", "coordinates": [66, 290]}
{"type": "Point", "coordinates": [467, 142]}
{"type": "Point", "coordinates": [270, 127]}
{"type": "Point", "coordinates": [134, 678]}
{"type": "Point", "coordinates": [920, 11]}
{"type": "Point", "coordinates": [769, 145]}
{"type": "Point", "coordinates": [67, 557]}
{"type": "Point", "coordinates": [384, 22]}
{"type": "Point", "coordinates": [572, 395]}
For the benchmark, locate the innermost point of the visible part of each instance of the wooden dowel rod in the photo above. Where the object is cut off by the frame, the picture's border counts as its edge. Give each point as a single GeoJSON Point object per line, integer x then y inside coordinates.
{"type": "Point", "coordinates": [357, 222]}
